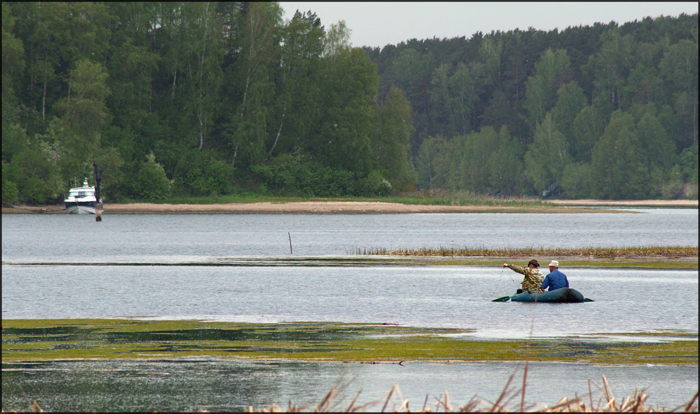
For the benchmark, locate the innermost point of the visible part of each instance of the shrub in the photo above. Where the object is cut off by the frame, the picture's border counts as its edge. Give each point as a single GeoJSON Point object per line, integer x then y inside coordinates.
{"type": "Point", "coordinates": [9, 192]}
{"type": "Point", "coordinates": [375, 184]}
{"type": "Point", "coordinates": [197, 174]}
{"type": "Point", "coordinates": [151, 183]}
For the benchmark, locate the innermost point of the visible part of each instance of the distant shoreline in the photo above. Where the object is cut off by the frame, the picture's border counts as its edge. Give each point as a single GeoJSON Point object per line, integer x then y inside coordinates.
{"type": "Point", "coordinates": [353, 207]}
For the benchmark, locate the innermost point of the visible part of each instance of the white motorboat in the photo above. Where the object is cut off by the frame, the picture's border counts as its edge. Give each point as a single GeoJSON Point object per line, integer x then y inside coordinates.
{"type": "Point", "coordinates": [81, 200]}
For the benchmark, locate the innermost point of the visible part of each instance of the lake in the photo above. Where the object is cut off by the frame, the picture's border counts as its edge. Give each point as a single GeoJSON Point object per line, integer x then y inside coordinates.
{"type": "Point", "coordinates": [48, 273]}
{"type": "Point", "coordinates": [50, 237]}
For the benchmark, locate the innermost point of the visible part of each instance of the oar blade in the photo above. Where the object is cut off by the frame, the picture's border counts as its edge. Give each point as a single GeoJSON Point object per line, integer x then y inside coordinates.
{"type": "Point", "coordinates": [503, 299]}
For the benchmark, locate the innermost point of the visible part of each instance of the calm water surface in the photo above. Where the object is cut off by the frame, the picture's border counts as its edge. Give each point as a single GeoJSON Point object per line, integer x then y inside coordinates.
{"type": "Point", "coordinates": [217, 385]}
{"type": "Point", "coordinates": [117, 237]}
{"type": "Point", "coordinates": [458, 297]}
{"type": "Point", "coordinates": [625, 301]}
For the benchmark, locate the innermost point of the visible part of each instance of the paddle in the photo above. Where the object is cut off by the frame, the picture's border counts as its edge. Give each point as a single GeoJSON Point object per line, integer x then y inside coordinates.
{"type": "Point", "coordinates": [503, 299]}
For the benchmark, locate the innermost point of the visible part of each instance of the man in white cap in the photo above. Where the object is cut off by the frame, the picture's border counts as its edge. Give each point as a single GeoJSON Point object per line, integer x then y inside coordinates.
{"type": "Point", "coordinates": [555, 279]}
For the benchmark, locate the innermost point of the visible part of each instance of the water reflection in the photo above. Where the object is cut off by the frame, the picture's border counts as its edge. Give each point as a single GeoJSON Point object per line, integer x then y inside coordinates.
{"type": "Point", "coordinates": [234, 385]}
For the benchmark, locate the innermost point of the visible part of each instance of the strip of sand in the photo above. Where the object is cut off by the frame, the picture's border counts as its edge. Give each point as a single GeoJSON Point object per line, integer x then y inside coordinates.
{"type": "Point", "coordinates": [355, 207]}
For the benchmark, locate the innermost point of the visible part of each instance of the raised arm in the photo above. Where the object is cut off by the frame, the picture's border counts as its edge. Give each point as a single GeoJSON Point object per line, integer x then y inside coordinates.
{"type": "Point", "coordinates": [518, 269]}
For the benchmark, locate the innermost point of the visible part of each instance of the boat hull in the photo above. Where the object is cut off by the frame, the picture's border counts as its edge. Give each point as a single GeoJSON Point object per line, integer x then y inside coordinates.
{"type": "Point", "coordinates": [82, 207]}
{"type": "Point", "coordinates": [563, 295]}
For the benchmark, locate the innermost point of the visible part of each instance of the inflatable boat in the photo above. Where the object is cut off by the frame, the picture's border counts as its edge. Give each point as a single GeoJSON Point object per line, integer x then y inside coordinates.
{"type": "Point", "coordinates": [563, 295]}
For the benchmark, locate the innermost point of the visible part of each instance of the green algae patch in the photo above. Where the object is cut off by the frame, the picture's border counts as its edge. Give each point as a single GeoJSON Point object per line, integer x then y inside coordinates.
{"type": "Point", "coordinates": [40, 340]}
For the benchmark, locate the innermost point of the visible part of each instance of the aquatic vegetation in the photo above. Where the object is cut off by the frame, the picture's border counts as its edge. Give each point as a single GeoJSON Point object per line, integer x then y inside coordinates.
{"type": "Point", "coordinates": [634, 257]}
{"type": "Point", "coordinates": [39, 340]}
{"type": "Point", "coordinates": [108, 339]}
{"type": "Point", "coordinates": [671, 252]}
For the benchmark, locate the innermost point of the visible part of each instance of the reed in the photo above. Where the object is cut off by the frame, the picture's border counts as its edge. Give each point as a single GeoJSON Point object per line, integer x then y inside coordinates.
{"type": "Point", "coordinates": [670, 252]}
{"type": "Point", "coordinates": [332, 402]}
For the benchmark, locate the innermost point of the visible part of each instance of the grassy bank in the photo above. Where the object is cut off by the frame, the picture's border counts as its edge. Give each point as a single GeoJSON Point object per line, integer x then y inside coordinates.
{"type": "Point", "coordinates": [419, 198]}
{"type": "Point", "coordinates": [37, 340]}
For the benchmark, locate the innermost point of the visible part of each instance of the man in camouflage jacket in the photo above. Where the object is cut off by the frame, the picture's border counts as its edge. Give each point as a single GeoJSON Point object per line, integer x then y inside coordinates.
{"type": "Point", "coordinates": [533, 278]}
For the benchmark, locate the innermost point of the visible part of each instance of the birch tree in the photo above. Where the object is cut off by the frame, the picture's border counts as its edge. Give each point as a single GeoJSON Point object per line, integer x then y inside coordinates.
{"type": "Point", "coordinates": [251, 127]}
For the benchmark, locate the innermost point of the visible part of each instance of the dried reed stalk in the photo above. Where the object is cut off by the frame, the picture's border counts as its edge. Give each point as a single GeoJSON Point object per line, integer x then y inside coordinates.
{"type": "Point", "coordinates": [635, 403]}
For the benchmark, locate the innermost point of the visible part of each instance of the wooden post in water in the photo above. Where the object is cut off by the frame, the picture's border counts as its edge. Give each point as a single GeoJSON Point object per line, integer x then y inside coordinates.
{"type": "Point", "coordinates": [290, 243]}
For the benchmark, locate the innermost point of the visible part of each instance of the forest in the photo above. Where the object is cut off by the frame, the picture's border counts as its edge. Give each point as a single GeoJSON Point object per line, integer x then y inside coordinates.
{"type": "Point", "coordinates": [179, 99]}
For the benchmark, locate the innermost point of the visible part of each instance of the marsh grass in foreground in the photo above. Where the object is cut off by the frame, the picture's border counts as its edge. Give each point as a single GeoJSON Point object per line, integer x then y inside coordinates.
{"type": "Point", "coordinates": [511, 399]}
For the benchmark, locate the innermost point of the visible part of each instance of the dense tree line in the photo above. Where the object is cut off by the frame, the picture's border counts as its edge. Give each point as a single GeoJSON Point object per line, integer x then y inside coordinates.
{"type": "Point", "coordinates": [606, 111]}
{"type": "Point", "coordinates": [216, 98]}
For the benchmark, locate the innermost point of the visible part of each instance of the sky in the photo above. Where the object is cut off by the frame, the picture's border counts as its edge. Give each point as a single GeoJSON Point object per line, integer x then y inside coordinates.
{"type": "Point", "coordinates": [377, 24]}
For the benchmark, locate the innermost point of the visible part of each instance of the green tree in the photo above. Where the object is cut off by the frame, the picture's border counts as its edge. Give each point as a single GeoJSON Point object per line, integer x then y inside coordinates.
{"type": "Point", "coordinates": [644, 85]}
{"type": "Point", "coordinates": [551, 72]}
{"type": "Point", "coordinates": [12, 64]}
{"type": "Point", "coordinates": [34, 173]}
{"type": "Point", "coordinates": [42, 30]}
{"type": "Point", "coordinates": [83, 113]}
{"type": "Point", "coordinates": [491, 54]}
{"type": "Point", "coordinates": [84, 110]}
{"type": "Point", "coordinates": [342, 137]}
{"type": "Point", "coordinates": [110, 162]}
{"type": "Point", "coordinates": [611, 66]}
{"type": "Point", "coordinates": [393, 139]}
{"type": "Point", "coordinates": [547, 156]}
{"type": "Point", "coordinates": [337, 39]}
{"type": "Point", "coordinates": [150, 183]}
{"type": "Point", "coordinates": [576, 180]}
{"type": "Point", "coordinates": [412, 73]}
{"type": "Point", "coordinates": [504, 164]}
{"type": "Point", "coordinates": [464, 87]}
{"type": "Point", "coordinates": [588, 127]}
{"type": "Point", "coordinates": [619, 166]}
{"type": "Point", "coordinates": [679, 67]}
{"type": "Point", "coordinates": [299, 62]}
{"type": "Point", "coordinates": [431, 163]}
{"type": "Point", "coordinates": [202, 58]}
{"type": "Point", "coordinates": [251, 118]}
{"type": "Point", "coordinates": [570, 103]}
{"type": "Point", "coordinates": [475, 156]}
{"type": "Point", "coordinates": [658, 147]}
{"type": "Point", "coordinates": [440, 96]}
{"type": "Point", "coordinates": [499, 112]}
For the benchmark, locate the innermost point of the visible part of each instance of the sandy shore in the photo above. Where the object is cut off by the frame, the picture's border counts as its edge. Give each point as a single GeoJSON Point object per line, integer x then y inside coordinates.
{"type": "Point", "coordinates": [352, 207]}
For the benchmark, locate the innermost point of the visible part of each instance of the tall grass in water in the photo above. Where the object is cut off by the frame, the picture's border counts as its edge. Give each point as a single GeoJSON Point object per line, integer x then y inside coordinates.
{"type": "Point", "coordinates": [589, 252]}
{"type": "Point", "coordinates": [334, 401]}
